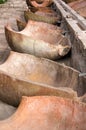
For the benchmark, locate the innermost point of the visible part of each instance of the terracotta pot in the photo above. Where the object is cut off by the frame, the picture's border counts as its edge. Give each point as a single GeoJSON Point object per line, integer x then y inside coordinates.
{"type": "Point", "coordinates": [21, 25]}
{"type": "Point", "coordinates": [47, 113]}
{"type": "Point", "coordinates": [39, 3]}
{"type": "Point", "coordinates": [38, 41]}
{"type": "Point", "coordinates": [6, 110]}
{"type": "Point", "coordinates": [36, 17]}
{"type": "Point", "coordinates": [24, 74]}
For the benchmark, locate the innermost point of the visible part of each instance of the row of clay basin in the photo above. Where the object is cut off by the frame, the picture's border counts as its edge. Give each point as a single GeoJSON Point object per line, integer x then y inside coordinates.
{"type": "Point", "coordinates": [39, 35]}
{"type": "Point", "coordinates": [36, 91]}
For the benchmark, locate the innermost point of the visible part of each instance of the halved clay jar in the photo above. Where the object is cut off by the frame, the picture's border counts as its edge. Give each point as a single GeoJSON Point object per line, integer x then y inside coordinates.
{"type": "Point", "coordinates": [47, 113]}
{"type": "Point", "coordinates": [6, 110]}
{"type": "Point", "coordinates": [39, 3]}
{"type": "Point", "coordinates": [22, 24]}
{"type": "Point", "coordinates": [40, 18]}
{"type": "Point", "coordinates": [24, 74]}
{"type": "Point", "coordinates": [39, 41]}
{"type": "Point", "coordinates": [44, 11]}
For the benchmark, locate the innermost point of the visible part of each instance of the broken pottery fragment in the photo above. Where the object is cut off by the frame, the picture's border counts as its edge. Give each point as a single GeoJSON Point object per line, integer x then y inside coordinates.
{"type": "Point", "coordinates": [21, 25]}
{"type": "Point", "coordinates": [38, 41]}
{"type": "Point", "coordinates": [47, 113]}
{"type": "Point", "coordinates": [6, 110]}
{"type": "Point", "coordinates": [79, 6]}
{"type": "Point", "coordinates": [39, 3]}
{"type": "Point", "coordinates": [24, 74]}
{"type": "Point", "coordinates": [46, 19]}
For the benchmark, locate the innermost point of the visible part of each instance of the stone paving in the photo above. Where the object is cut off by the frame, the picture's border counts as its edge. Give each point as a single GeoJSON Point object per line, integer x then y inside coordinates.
{"type": "Point", "coordinates": [9, 11]}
